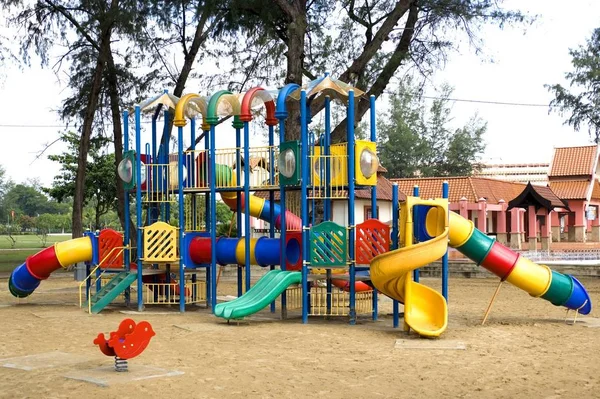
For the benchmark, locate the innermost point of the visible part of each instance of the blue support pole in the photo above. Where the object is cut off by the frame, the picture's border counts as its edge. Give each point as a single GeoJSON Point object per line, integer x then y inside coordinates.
{"type": "Point", "coordinates": [374, 213]}
{"type": "Point", "coordinates": [126, 216]}
{"type": "Point", "coordinates": [150, 206]}
{"type": "Point", "coordinates": [165, 160]}
{"type": "Point", "coordinates": [282, 228]}
{"type": "Point", "coordinates": [415, 217]}
{"type": "Point", "coordinates": [351, 193]}
{"type": "Point", "coordinates": [272, 193]}
{"type": "Point", "coordinates": [395, 228]}
{"type": "Point", "coordinates": [247, 201]}
{"type": "Point", "coordinates": [238, 173]}
{"type": "Point", "coordinates": [304, 204]}
{"type": "Point", "coordinates": [327, 152]}
{"type": "Point", "coordinates": [154, 150]}
{"type": "Point", "coordinates": [138, 207]}
{"type": "Point", "coordinates": [213, 219]}
{"type": "Point", "coordinates": [192, 181]}
{"type": "Point", "coordinates": [182, 249]}
{"type": "Point", "coordinates": [445, 194]}
{"type": "Point", "coordinates": [327, 205]}
{"type": "Point", "coordinates": [207, 222]}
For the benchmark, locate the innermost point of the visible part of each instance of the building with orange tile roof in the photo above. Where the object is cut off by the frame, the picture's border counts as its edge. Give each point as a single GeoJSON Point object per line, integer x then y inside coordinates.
{"type": "Point", "coordinates": [573, 176]}
{"type": "Point", "coordinates": [566, 207]}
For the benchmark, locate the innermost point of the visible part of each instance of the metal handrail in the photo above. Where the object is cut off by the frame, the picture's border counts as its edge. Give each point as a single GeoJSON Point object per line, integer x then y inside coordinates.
{"type": "Point", "coordinates": [92, 272]}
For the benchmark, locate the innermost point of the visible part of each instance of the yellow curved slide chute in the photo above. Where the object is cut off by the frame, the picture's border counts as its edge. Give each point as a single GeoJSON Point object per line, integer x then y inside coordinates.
{"type": "Point", "coordinates": [425, 310]}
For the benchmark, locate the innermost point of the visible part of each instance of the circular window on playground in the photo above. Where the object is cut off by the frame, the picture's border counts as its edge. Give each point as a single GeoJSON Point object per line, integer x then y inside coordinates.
{"type": "Point", "coordinates": [368, 163]}
{"type": "Point", "coordinates": [125, 170]}
{"type": "Point", "coordinates": [287, 163]}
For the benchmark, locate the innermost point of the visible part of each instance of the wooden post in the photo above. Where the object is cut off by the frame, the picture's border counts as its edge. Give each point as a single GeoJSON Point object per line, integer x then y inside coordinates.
{"type": "Point", "coordinates": [489, 308]}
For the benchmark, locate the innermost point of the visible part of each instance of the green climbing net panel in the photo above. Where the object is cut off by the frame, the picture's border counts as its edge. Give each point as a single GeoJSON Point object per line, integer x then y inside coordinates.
{"type": "Point", "coordinates": [328, 245]}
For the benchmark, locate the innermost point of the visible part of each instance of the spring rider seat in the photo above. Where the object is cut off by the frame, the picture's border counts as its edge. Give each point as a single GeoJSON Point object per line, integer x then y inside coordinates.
{"type": "Point", "coordinates": [127, 342]}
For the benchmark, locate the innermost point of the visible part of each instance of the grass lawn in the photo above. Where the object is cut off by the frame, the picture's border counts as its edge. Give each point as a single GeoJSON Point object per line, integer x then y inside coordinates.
{"type": "Point", "coordinates": [31, 241]}
{"type": "Point", "coordinates": [26, 245]}
{"type": "Point", "coordinates": [9, 259]}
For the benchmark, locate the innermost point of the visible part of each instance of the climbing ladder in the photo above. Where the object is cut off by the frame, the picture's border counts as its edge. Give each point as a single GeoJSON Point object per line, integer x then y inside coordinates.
{"type": "Point", "coordinates": [110, 291]}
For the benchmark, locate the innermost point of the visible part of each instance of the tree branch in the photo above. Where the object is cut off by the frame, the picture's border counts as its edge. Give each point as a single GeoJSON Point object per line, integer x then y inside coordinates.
{"type": "Point", "coordinates": [287, 8]}
{"type": "Point", "coordinates": [400, 54]}
{"type": "Point", "coordinates": [62, 10]}
{"type": "Point", "coordinates": [371, 48]}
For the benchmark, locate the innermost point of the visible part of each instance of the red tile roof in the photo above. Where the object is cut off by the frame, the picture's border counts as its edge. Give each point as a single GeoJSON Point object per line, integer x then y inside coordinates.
{"type": "Point", "coordinates": [472, 188]}
{"type": "Point", "coordinates": [573, 161]}
{"type": "Point", "coordinates": [384, 191]}
{"type": "Point", "coordinates": [570, 189]}
{"type": "Point", "coordinates": [596, 190]}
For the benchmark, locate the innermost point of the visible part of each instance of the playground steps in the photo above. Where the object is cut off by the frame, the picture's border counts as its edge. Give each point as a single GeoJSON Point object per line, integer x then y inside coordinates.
{"type": "Point", "coordinates": [111, 290]}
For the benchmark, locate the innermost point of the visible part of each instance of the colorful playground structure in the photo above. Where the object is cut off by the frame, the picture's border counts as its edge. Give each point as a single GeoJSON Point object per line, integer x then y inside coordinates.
{"type": "Point", "coordinates": [317, 266]}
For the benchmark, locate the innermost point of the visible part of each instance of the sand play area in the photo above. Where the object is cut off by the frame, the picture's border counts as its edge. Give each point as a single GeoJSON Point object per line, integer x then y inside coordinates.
{"type": "Point", "coordinates": [525, 350]}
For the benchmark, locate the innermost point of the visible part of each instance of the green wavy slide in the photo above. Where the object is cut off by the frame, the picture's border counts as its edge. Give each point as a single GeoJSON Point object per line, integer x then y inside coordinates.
{"type": "Point", "coordinates": [265, 291]}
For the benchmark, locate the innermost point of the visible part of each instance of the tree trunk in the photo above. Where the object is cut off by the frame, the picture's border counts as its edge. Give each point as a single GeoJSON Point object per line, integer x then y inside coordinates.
{"type": "Point", "coordinates": [86, 131]}
{"type": "Point", "coordinates": [115, 106]}
{"type": "Point", "coordinates": [190, 54]}
{"type": "Point", "coordinates": [84, 143]}
{"type": "Point", "coordinates": [296, 31]}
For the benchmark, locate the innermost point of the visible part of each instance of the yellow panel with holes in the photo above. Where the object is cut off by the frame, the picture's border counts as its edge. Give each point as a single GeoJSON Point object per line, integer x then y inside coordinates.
{"type": "Point", "coordinates": [160, 243]}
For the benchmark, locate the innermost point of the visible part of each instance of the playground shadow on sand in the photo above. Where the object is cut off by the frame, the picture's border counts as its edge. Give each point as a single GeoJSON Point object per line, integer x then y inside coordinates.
{"type": "Point", "coordinates": [106, 375]}
{"type": "Point", "coordinates": [42, 361]}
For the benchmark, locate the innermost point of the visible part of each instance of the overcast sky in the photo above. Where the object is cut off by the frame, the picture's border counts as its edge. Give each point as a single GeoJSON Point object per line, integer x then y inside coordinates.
{"type": "Point", "coordinates": [516, 64]}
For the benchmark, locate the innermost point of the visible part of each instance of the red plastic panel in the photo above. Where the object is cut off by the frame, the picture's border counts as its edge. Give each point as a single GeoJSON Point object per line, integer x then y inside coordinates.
{"type": "Point", "coordinates": [293, 253]}
{"type": "Point", "coordinates": [500, 260]}
{"type": "Point", "coordinates": [107, 240]}
{"type": "Point", "coordinates": [372, 239]}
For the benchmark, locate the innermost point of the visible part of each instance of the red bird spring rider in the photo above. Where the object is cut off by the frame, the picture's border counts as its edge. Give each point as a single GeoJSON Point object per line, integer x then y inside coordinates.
{"type": "Point", "coordinates": [127, 342]}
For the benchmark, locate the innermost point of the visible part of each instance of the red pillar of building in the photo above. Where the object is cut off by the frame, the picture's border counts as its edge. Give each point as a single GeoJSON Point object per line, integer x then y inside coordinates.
{"type": "Point", "coordinates": [579, 224]}
{"type": "Point", "coordinates": [596, 226]}
{"type": "Point", "coordinates": [532, 227]}
{"type": "Point", "coordinates": [463, 210]}
{"type": "Point", "coordinates": [501, 235]}
{"type": "Point", "coordinates": [546, 229]}
{"type": "Point", "coordinates": [482, 215]}
{"type": "Point", "coordinates": [555, 225]}
{"type": "Point", "coordinates": [515, 228]}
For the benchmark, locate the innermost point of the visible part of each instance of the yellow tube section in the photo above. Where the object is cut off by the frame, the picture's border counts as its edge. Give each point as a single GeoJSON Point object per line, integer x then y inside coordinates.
{"type": "Point", "coordinates": [530, 277]}
{"type": "Point", "coordinates": [73, 251]}
{"type": "Point", "coordinates": [230, 198]}
{"type": "Point", "coordinates": [240, 251]}
{"type": "Point", "coordinates": [461, 229]}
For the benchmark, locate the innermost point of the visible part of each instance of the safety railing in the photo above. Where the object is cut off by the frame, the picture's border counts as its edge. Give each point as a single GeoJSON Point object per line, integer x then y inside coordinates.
{"type": "Point", "coordinates": [94, 278]}
{"type": "Point", "coordinates": [227, 160]}
{"type": "Point", "coordinates": [339, 301]}
{"type": "Point", "coordinates": [161, 181]}
{"type": "Point", "coordinates": [169, 293]}
{"type": "Point", "coordinates": [195, 212]}
{"type": "Point", "coordinates": [328, 173]}
{"type": "Point", "coordinates": [590, 254]}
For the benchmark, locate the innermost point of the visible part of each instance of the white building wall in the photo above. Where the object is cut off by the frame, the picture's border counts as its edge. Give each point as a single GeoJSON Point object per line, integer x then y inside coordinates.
{"type": "Point", "coordinates": [340, 211]}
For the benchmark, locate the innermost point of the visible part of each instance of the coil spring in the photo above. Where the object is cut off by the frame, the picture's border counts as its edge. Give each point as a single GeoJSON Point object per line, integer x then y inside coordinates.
{"type": "Point", "coordinates": [120, 364]}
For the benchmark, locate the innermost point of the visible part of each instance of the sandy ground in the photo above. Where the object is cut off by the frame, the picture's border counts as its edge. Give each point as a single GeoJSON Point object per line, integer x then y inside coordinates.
{"type": "Point", "coordinates": [524, 351]}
